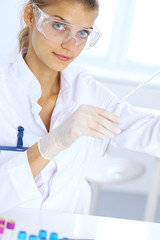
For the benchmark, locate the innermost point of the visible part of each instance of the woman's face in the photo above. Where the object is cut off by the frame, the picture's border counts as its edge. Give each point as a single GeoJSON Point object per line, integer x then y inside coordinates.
{"type": "Point", "coordinates": [57, 56]}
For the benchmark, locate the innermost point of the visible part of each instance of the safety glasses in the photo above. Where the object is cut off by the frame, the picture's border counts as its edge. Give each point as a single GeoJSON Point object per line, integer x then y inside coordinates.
{"type": "Point", "coordinates": [59, 31]}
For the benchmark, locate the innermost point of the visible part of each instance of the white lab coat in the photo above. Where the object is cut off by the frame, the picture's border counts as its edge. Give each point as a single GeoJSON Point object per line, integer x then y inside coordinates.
{"type": "Point", "coordinates": [59, 185]}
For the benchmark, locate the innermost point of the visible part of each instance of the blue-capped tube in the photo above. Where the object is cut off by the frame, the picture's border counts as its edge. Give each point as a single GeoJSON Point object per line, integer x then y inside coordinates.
{"type": "Point", "coordinates": [22, 235]}
{"type": "Point", "coordinates": [53, 236]}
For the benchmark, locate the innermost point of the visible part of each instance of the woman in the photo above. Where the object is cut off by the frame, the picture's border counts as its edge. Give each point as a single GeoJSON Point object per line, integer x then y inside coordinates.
{"type": "Point", "coordinates": [62, 110]}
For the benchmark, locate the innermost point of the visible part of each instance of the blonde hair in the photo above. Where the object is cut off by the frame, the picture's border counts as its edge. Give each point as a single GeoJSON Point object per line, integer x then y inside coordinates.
{"type": "Point", "coordinates": [23, 35]}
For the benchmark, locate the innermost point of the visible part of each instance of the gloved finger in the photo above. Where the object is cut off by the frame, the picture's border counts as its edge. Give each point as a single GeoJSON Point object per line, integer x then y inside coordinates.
{"type": "Point", "coordinates": [105, 131]}
{"type": "Point", "coordinates": [101, 133]}
{"type": "Point", "coordinates": [112, 127]}
{"type": "Point", "coordinates": [108, 115]}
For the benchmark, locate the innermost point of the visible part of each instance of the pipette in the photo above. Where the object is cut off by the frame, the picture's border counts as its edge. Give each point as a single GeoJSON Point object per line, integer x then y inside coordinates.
{"type": "Point", "coordinates": [119, 107]}
{"type": "Point", "coordinates": [140, 86]}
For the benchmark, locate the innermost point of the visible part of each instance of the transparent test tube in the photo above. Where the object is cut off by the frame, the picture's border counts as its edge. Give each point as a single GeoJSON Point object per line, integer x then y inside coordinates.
{"type": "Point", "coordinates": [9, 229]}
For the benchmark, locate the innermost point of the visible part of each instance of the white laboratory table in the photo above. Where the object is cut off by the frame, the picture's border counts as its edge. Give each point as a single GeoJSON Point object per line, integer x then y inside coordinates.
{"type": "Point", "coordinates": [80, 226]}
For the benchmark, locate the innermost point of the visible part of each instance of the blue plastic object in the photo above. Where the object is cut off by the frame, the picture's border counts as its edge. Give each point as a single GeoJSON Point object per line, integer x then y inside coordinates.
{"type": "Point", "coordinates": [42, 234]}
{"type": "Point", "coordinates": [32, 237]}
{"type": "Point", "coordinates": [53, 236]}
{"type": "Point", "coordinates": [22, 235]}
{"type": "Point", "coordinates": [20, 137]}
{"type": "Point", "coordinates": [65, 239]}
{"type": "Point", "coordinates": [8, 148]}
{"type": "Point", "coordinates": [19, 147]}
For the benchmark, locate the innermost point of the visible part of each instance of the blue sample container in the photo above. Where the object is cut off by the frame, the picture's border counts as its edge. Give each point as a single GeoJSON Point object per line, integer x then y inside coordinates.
{"type": "Point", "coordinates": [22, 235]}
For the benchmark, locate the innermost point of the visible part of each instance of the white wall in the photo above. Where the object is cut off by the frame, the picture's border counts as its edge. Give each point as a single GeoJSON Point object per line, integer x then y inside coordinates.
{"type": "Point", "coordinates": [10, 25]}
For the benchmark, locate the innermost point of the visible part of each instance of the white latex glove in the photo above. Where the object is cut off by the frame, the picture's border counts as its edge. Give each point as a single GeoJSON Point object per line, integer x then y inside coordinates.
{"type": "Point", "coordinates": [85, 121]}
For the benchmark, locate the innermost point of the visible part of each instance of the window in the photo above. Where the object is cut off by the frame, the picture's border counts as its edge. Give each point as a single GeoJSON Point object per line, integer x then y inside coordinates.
{"type": "Point", "coordinates": [131, 51]}
{"type": "Point", "coordinates": [144, 44]}
{"type": "Point", "coordinates": [104, 22]}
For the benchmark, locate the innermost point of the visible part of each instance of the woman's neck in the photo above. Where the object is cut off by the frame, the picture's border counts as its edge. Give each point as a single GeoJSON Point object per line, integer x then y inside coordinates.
{"type": "Point", "coordinates": [48, 78]}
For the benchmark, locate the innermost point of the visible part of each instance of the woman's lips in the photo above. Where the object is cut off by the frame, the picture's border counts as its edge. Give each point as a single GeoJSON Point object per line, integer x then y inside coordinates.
{"type": "Point", "coordinates": [62, 58]}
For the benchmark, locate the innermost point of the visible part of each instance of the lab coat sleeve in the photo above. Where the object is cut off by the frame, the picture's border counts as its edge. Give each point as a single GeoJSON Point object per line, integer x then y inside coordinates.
{"type": "Point", "coordinates": [140, 131]}
{"type": "Point", "coordinates": [14, 174]}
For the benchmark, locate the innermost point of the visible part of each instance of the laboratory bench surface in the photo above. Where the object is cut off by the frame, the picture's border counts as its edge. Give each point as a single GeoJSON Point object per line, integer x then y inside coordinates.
{"type": "Point", "coordinates": [76, 226]}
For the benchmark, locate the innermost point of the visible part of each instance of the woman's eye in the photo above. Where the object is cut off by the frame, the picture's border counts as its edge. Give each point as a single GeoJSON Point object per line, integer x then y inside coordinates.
{"type": "Point", "coordinates": [58, 26]}
{"type": "Point", "coordinates": [83, 34]}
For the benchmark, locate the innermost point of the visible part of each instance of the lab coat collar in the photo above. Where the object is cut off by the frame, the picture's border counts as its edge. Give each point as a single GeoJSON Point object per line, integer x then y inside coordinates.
{"type": "Point", "coordinates": [66, 88]}
{"type": "Point", "coordinates": [25, 75]}
{"type": "Point", "coordinates": [29, 82]}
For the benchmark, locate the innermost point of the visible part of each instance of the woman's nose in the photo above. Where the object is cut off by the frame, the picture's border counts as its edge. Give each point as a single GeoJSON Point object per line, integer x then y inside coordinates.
{"type": "Point", "coordinates": [70, 43]}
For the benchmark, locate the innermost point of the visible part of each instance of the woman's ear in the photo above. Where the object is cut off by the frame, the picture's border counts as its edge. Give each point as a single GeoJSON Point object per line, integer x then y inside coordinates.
{"type": "Point", "coordinates": [28, 16]}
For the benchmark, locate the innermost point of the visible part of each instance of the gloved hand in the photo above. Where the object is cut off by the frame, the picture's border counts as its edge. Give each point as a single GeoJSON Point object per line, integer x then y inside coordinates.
{"type": "Point", "coordinates": [116, 110]}
{"type": "Point", "coordinates": [85, 121]}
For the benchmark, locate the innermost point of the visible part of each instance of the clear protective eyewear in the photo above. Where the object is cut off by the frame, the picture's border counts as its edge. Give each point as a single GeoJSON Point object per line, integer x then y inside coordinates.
{"type": "Point", "coordinates": [59, 31]}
